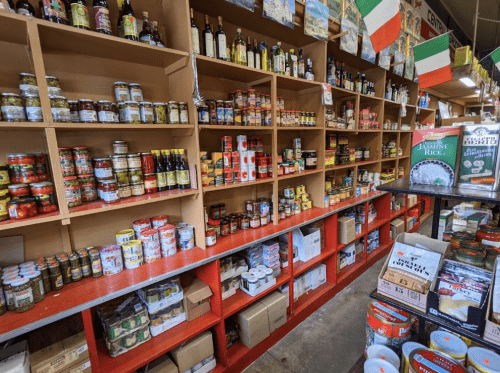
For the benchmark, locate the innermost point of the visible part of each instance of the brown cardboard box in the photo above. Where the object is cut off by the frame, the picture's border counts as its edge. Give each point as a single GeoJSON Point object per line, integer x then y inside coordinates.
{"type": "Point", "coordinates": [253, 324]}
{"type": "Point", "coordinates": [163, 365]}
{"type": "Point", "coordinates": [409, 223]}
{"type": "Point", "coordinates": [193, 351]}
{"type": "Point", "coordinates": [397, 227]}
{"type": "Point", "coordinates": [360, 247]}
{"type": "Point", "coordinates": [346, 230]}
{"type": "Point", "coordinates": [197, 299]}
{"type": "Point", "coordinates": [61, 355]}
{"type": "Point", "coordinates": [83, 367]}
{"type": "Point", "coordinates": [276, 310]}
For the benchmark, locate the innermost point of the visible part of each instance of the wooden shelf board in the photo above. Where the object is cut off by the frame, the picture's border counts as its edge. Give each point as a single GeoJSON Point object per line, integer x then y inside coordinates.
{"type": "Point", "coordinates": [295, 84]}
{"type": "Point", "coordinates": [350, 165]}
{"type": "Point", "coordinates": [118, 126]}
{"type": "Point", "coordinates": [39, 219]}
{"type": "Point", "coordinates": [23, 125]}
{"type": "Point", "coordinates": [298, 174]}
{"type": "Point", "coordinates": [311, 296]}
{"type": "Point", "coordinates": [234, 128]}
{"type": "Point", "coordinates": [350, 130]}
{"type": "Point", "coordinates": [101, 206]}
{"type": "Point", "coordinates": [370, 97]}
{"type": "Point", "coordinates": [14, 28]}
{"type": "Point", "coordinates": [300, 128]}
{"type": "Point", "coordinates": [395, 104]}
{"type": "Point", "coordinates": [64, 38]}
{"type": "Point", "coordinates": [338, 92]}
{"type": "Point", "coordinates": [300, 267]}
{"type": "Point", "coordinates": [230, 71]}
{"type": "Point", "coordinates": [239, 185]}
{"type": "Point", "coordinates": [431, 110]}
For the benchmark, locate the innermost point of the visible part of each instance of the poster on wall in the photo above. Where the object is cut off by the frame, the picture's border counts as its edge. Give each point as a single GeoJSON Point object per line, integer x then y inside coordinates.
{"type": "Point", "coordinates": [335, 7]}
{"type": "Point", "coordinates": [316, 20]}
{"type": "Point", "coordinates": [398, 58]}
{"type": "Point", "coordinates": [281, 11]}
{"type": "Point", "coordinates": [409, 68]}
{"type": "Point", "coordinates": [247, 4]}
{"type": "Point", "coordinates": [367, 51]}
{"type": "Point", "coordinates": [349, 42]}
{"type": "Point", "coordinates": [351, 11]}
{"type": "Point", "coordinates": [384, 58]}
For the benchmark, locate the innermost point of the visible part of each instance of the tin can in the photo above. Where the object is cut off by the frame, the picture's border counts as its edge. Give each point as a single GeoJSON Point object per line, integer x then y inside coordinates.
{"type": "Point", "coordinates": [264, 208]}
{"type": "Point", "coordinates": [111, 259]}
{"type": "Point", "coordinates": [450, 344]}
{"type": "Point", "coordinates": [140, 225]}
{"type": "Point", "coordinates": [133, 261]}
{"type": "Point", "coordinates": [241, 143]}
{"type": "Point", "coordinates": [481, 360]}
{"type": "Point", "coordinates": [186, 238]}
{"type": "Point", "coordinates": [227, 143]}
{"type": "Point", "coordinates": [407, 349]}
{"type": "Point", "coordinates": [150, 238]}
{"type": "Point", "coordinates": [132, 247]}
{"type": "Point", "coordinates": [386, 325]}
{"type": "Point", "coordinates": [125, 236]}
{"type": "Point", "coordinates": [377, 366]}
{"type": "Point", "coordinates": [159, 221]}
{"type": "Point", "coordinates": [427, 360]}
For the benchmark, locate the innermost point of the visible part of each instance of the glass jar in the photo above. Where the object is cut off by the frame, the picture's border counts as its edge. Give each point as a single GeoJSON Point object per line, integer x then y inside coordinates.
{"type": "Point", "coordinates": [60, 109]}
{"type": "Point", "coordinates": [488, 235]}
{"type": "Point", "coordinates": [110, 191]}
{"type": "Point", "coordinates": [9, 295]}
{"type": "Point", "coordinates": [137, 188]}
{"type": "Point", "coordinates": [121, 92]}
{"type": "Point", "coordinates": [28, 84]}
{"type": "Point", "coordinates": [44, 270]}
{"type": "Point", "coordinates": [72, 191]}
{"type": "Point", "coordinates": [83, 161]}
{"type": "Point", "coordinates": [210, 237]}
{"type": "Point", "coordinates": [84, 263]}
{"type": "Point", "coordinates": [18, 191]}
{"type": "Point", "coordinates": [95, 261]}
{"type": "Point", "coordinates": [66, 161]}
{"type": "Point", "coordinates": [212, 111]}
{"type": "Point", "coordinates": [33, 107]}
{"type": "Point", "coordinates": [146, 110]}
{"type": "Point", "coordinates": [23, 295]}
{"type": "Point", "coordinates": [76, 270]}
{"type": "Point", "coordinates": [103, 169]}
{"type": "Point", "coordinates": [22, 208]}
{"type": "Point", "coordinates": [135, 92]}
{"type": "Point", "coordinates": [4, 210]}
{"type": "Point", "coordinates": [131, 112]}
{"type": "Point", "coordinates": [135, 175]}
{"type": "Point", "coordinates": [119, 162]}
{"type": "Point", "coordinates": [124, 190]}
{"type": "Point", "coordinates": [36, 284]}
{"type": "Point", "coordinates": [87, 111]}
{"type": "Point", "coordinates": [160, 113]}
{"type": "Point", "coordinates": [56, 279]}
{"type": "Point", "coordinates": [41, 167]}
{"type": "Point", "coordinates": [73, 111]}
{"type": "Point", "coordinates": [12, 107]}
{"type": "Point", "coordinates": [22, 168]}
{"type": "Point", "coordinates": [4, 174]}
{"type": "Point", "coordinates": [255, 221]}
{"type": "Point", "coordinates": [44, 196]}
{"type": "Point", "coordinates": [203, 117]}
{"type": "Point", "coordinates": [120, 147]}
{"type": "Point", "coordinates": [105, 112]}
{"type": "Point", "coordinates": [311, 159]}
{"type": "Point", "coordinates": [88, 189]}
{"type": "Point", "coordinates": [228, 113]}
{"type": "Point", "coordinates": [183, 113]}
{"type": "Point", "coordinates": [173, 112]}
{"type": "Point", "coordinates": [472, 257]}
{"type": "Point", "coordinates": [53, 85]}
{"type": "Point", "coordinates": [150, 185]}
{"type": "Point", "coordinates": [134, 160]}
{"type": "Point", "coordinates": [147, 163]}
{"type": "Point", "coordinates": [122, 176]}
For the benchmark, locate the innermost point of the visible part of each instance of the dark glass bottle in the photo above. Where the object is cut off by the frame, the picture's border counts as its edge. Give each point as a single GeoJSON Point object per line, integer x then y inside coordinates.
{"type": "Point", "coordinates": [220, 37]}
{"type": "Point", "coordinates": [157, 36]}
{"type": "Point", "coordinates": [80, 14]}
{"type": "Point", "coordinates": [42, 11]}
{"type": "Point", "coordinates": [195, 35]}
{"type": "Point", "coordinates": [11, 5]}
{"type": "Point", "coordinates": [55, 11]}
{"type": "Point", "coordinates": [208, 39]}
{"type": "Point", "coordinates": [129, 22]}
{"type": "Point", "coordinates": [101, 12]}
{"type": "Point", "coordinates": [169, 169]}
{"type": "Point", "coordinates": [302, 65]}
{"type": "Point", "coordinates": [161, 175]}
{"type": "Point", "coordinates": [146, 36]}
{"type": "Point", "coordinates": [119, 21]}
{"type": "Point", "coordinates": [182, 171]}
{"type": "Point", "coordinates": [24, 8]}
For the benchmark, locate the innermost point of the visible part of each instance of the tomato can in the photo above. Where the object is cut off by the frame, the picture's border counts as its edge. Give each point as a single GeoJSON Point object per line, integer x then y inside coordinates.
{"type": "Point", "coordinates": [450, 344]}
{"type": "Point", "coordinates": [431, 361]}
{"type": "Point", "coordinates": [481, 360]}
{"type": "Point", "coordinates": [152, 253]}
{"type": "Point", "coordinates": [386, 325]}
{"type": "Point", "coordinates": [132, 247]}
{"type": "Point", "coordinates": [167, 234]}
{"type": "Point", "coordinates": [235, 159]}
{"type": "Point", "coordinates": [150, 238]}
{"type": "Point", "coordinates": [124, 236]}
{"type": "Point", "coordinates": [384, 353]}
{"type": "Point", "coordinates": [111, 258]}
{"type": "Point", "coordinates": [407, 349]}
{"type": "Point", "coordinates": [378, 365]}
{"type": "Point", "coordinates": [133, 261]}
{"type": "Point", "coordinates": [159, 221]}
{"type": "Point", "coordinates": [227, 143]}
{"type": "Point", "coordinates": [141, 224]}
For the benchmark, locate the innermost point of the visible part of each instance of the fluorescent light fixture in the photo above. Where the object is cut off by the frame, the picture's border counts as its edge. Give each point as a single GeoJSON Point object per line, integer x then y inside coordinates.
{"type": "Point", "coordinates": [478, 91]}
{"type": "Point", "coordinates": [468, 82]}
{"type": "Point", "coordinates": [490, 100]}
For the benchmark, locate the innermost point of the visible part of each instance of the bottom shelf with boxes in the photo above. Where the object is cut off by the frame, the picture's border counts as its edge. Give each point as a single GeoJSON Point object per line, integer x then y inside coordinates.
{"type": "Point", "coordinates": [310, 280]}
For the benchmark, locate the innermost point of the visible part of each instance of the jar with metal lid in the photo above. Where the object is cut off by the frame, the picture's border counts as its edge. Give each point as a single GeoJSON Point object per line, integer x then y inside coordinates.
{"type": "Point", "coordinates": [120, 147]}
{"type": "Point", "coordinates": [110, 191]}
{"type": "Point", "coordinates": [233, 225]}
{"type": "Point", "coordinates": [210, 237]}
{"type": "Point", "coordinates": [150, 185]}
{"type": "Point", "coordinates": [56, 278]}
{"type": "Point", "coordinates": [215, 224]}
{"type": "Point", "coordinates": [105, 111]}
{"type": "Point", "coordinates": [95, 262]}
{"type": "Point", "coordinates": [137, 188]}
{"type": "Point", "coordinates": [119, 162]}
{"type": "Point", "coordinates": [124, 190]}
{"type": "Point", "coordinates": [88, 189]}
{"type": "Point", "coordinates": [103, 169]}
{"type": "Point", "coordinates": [60, 109]}
{"type": "Point", "coordinates": [131, 112]}
{"type": "Point", "coordinates": [82, 160]}
{"type": "Point", "coordinates": [73, 111]}
{"type": "Point", "coordinates": [134, 160]}
{"type": "Point", "coordinates": [311, 159]}
{"type": "Point", "coordinates": [203, 115]}
{"type": "Point", "coordinates": [4, 200]}
{"type": "Point", "coordinates": [224, 227]}
{"type": "Point", "coordinates": [220, 112]}
{"type": "Point", "coordinates": [366, 153]}
{"type": "Point", "coordinates": [22, 208]}
{"type": "Point", "coordinates": [12, 107]}
{"type": "Point", "coordinates": [183, 113]}
{"type": "Point", "coordinates": [173, 112]}
{"type": "Point", "coordinates": [18, 191]}
{"type": "Point", "coordinates": [135, 175]}
{"type": "Point", "coordinates": [84, 263]}
{"type": "Point", "coordinates": [23, 295]}
{"type": "Point", "coordinates": [36, 284]}
{"type": "Point", "coordinates": [76, 270]}
{"type": "Point", "coordinates": [66, 161]}
{"type": "Point", "coordinates": [135, 92]}
{"type": "Point", "coordinates": [9, 295]}
{"type": "Point", "coordinates": [4, 174]}
{"type": "Point", "coordinates": [160, 113]}
{"type": "Point", "coordinates": [237, 117]}
{"type": "Point", "coordinates": [33, 107]}
{"type": "Point", "coordinates": [87, 111]}
{"type": "Point", "coordinates": [472, 257]}
{"type": "Point", "coordinates": [255, 221]}
{"type": "Point", "coordinates": [121, 91]}
{"type": "Point", "coordinates": [146, 110]}
{"type": "Point", "coordinates": [72, 191]}
{"type": "Point", "coordinates": [44, 197]}
{"type": "Point", "coordinates": [65, 266]}
{"type": "Point", "coordinates": [53, 85]}
{"type": "Point", "coordinates": [44, 270]}
{"type": "Point", "coordinates": [228, 113]}
{"type": "Point", "coordinates": [28, 83]}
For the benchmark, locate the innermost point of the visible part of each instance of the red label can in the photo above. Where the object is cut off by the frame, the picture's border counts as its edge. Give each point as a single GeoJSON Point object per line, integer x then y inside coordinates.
{"type": "Point", "coordinates": [228, 176]}
{"type": "Point", "coordinates": [227, 143]}
{"type": "Point", "coordinates": [236, 175]}
{"type": "Point", "coordinates": [159, 221]}
{"type": "Point", "coordinates": [235, 159]}
{"type": "Point", "coordinates": [227, 159]}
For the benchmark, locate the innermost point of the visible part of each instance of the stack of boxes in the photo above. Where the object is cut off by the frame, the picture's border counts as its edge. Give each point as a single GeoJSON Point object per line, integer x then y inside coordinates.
{"type": "Point", "coordinates": [309, 280]}
{"type": "Point", "coordinates": [271, 256]}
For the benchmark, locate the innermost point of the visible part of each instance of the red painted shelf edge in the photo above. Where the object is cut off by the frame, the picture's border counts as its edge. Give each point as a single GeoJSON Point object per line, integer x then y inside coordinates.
{"type": "Point", "coordinates": [311, 296]}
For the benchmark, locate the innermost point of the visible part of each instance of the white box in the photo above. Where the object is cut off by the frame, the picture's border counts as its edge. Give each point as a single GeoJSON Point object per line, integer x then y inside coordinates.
{"type": "Point", "coordinates": [164, 326]}
{"type": "Point", "coordinates": [155, 307]}
{"type": "Point", "coordinates": [260, 289]}
{"type": "Point", "coordinates": [318, 276]}
{"type": "Point", "coordinates": [308, 242]}
{"type": "Point", "coordinates": [15, 358]}
{"type": "Point", "coordinates": [445, 223]}
{"type": "Point", "coordinates": [350, 253]}
{"type": "Point", "coordinates": [207, 367]}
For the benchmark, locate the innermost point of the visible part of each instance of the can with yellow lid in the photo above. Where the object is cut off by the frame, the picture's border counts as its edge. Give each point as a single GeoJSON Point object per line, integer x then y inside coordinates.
{"type": "Point", "coordinates": [407, 349]}
{"type": "Point", "coordinates": [450, 344]}
{"type": "Point", "coordinates": [481, 360]}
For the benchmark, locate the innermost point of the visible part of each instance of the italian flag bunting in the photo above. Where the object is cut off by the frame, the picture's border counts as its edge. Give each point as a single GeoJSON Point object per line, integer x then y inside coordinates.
{"type": "Point", "coordinates": [383, 21]}
{"type": "Point", "coordinates": [432, 60]}
{"type": "Point", "coordinates": [495, 56]}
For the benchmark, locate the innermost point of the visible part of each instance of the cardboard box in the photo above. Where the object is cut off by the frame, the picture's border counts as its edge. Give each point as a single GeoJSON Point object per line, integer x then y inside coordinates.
{"type": "Point", "coordinates": [397, 227]}
{"type": "Point", "coordinates": [192, 352]}
{"type": "Point", "coordinates": [318, 276]}
{"type": "Point", "coordinates": [308, 242]}
{"type": "Point", "coordinates": [253, 324]}
{"type": "Point", "coordinates": [162, 365]}
{"type": "Point", "coordinates": [491, 329]}
{"type": "Point", "coordinates": [401, 294]}
{"type": "Point", "coordinates": [360, 247]}
{"type": "Point", "coordinates": [346, 230]}
{"type": "Point", "coordinates": [15, 358]}
{"type": "Point", "coordinates": [81, 368]}
{"type": "Point", "coordinates": [445, 222]}
{"type": "Point", "coordinates": [276, 309]}
{"type": "Point", "coordinates": [409, 223]}
{"type": "Point", "coordinates": [350, 253]}
{"type": "Point", "coordinates": [401, 200]}
{"type": "Point", "coordinates": [197, 299]}
{"type": "Point", "coordinates": [61, 355]}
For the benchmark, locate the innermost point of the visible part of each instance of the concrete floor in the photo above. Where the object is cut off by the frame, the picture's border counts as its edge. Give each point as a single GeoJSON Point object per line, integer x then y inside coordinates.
{"type": "Point", "coordinates": [333, 338]}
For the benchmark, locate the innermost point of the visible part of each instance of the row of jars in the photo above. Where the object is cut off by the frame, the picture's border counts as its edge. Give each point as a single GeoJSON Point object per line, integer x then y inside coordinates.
{"type": "Point", "coordinates": [251, 98]}
{"type": "Point", "coordinates": [295, 118]}
{"type": "Point", "coordinates": [15, 108]}
{"type": "Point", "coordinates": [223, 113]}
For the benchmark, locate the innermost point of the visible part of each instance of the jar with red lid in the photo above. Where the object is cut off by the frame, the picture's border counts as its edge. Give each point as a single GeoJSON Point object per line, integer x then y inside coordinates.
{"type": "Point", "coordinates": [43, 193]}
{"type": "Point", "coordinates": [19, 191]}
{"type": "Point", "coordinates": [233, 225]}
{"type": "Point", "coordinates": [103, 169]}
{"type": "Point", "coordinates": [150, 185]}
{"type": "Point", "coordinates": [488, 235]}
{"type": "Point", "coordinates": [22, 208]}
{"type": "Point", "coordinates": [88, 187]}
{"type": "Point", "coordinates": [83, 161]}
{"type": "Point", "coordinates": [87, 111]}
{"type": "Point", "coordinates": [72, 191]}
{"type": "Point", "coordinates": [110, 191]}
{"type": "Point", "coordinates": [215, 224]}
{"type": "Point", "coordinates": [41, 167]}
{"type": "Point", "coordinates": [22, 168]}
{"type": "Point", "coordinates": [147, 163]}
{"type": "Point", "coordinates": [66, 161]}
{"type": "Point", "coordinates": [261, 165]}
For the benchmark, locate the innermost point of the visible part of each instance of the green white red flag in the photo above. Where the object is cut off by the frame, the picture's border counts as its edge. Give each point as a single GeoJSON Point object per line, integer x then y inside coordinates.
{"type": "Point", "coordinates": [495, 56]}
{"type": "Point", "coordinates": [432, 61]}
{"type": "Point", "coordinates": [383, 21]}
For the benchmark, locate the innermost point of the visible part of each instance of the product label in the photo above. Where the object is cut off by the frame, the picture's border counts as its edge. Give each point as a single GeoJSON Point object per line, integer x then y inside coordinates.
{"type": "Point", "coordinates": [75, 117]}
{"type": "Point", "coordinates": [222, 46]}
{"type": "Point", "coordinates": [136, 94]}
{"type": "Point", "coordinates": [102, 21]}
{"type": "Point", "coordinates": [129, 26]}
{"type": "Point", "coordinates": [103, 172]}
{"type": "Point", "coordinates": [184, 117]}
{"type": "Point", "coordinates": [147, 39]}
{"type": "Point", "coordinates": [209, 45]}
{"type": "Point", "coordinates": [150, 184]}
{"type": "Point", "coordinates": [106, 116]}
{"type": "Point", "coordinates": [76, 273]}
{"type": "Point", "coordinates": [4, 177]}
{"type": "Point", "coordinates": [28, 88]}
{"type": "Point", "coordinates": [147, 115]}
{"type": "Point", "coordinates": [301, 68]}
{"type": "Point", "coordinates": [250, 58]}
{"type": "Point", "coordinates": [161, 179]}
{"type": "Point", "coordinates": [228, 115]}
{"type": "Point", "coordinates": [110, 196]}
{"type": "Point", "coordinates": [196, 40]}
{"type": "Point", "coordinates": [72, 194]}
{"type": "Point", "coordinates": [3, 208]}
{"type": "Point", "coordinates": [311, 161]}
{"type": "Point", "coordinates": [61, 115]}
{"type": "Point", "coordinates": [220, 114]}
{"type": "Point", "coordinates": [257, 61]}
{"type": "Point", "coordinates": [34, 113]}
{"type": "Point", "coordinates": [171, 178]}
{"type": "Point", "coordinates": [54, 90]}
{"type": "Point", "coordinates": [241, 50]}
{"type": "Point", "coordinates": [491, 243]}
{"type": "Point", "coordinates": [183, 177]}
{"type": "Point", "coordinates": [80, 15]}
{"type": "Point", "coordinates": [23, 12]}
{"type": "Point", "coordinates": [122, 94]}
{"type": "Point", "coordinates": [173, 116]}
{"type": "Point", "coordinates": [13, 113]}
{"type": "Point", "coordinates": [55, 8]}
{"type": "Point", "coordinates": [277, 64]}
{"type": "Point", "coordinates": [23, 298]}
{"type": "Point", "coordinates": [87, 116]}
{"type": "Point", "coordinates": [85, 269]}
{"type": "Point", "coordinates": [132, 115]}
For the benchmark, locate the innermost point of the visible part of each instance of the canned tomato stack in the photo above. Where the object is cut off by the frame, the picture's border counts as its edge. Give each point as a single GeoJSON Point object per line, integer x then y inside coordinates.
{"type": "Point", "coordinates": [293, 201]}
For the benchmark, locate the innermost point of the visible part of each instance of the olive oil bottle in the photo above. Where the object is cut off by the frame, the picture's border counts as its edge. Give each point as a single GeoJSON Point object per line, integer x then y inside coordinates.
{"type": "Point", "coordinates": [250, 54]}
{"type": "Point", "coordinates": [239, 49]}
{"type": "Point", "coordinates": [169, 169]}
{"type": "Point", "coordinates": [159, 42]}
{"type": "Point", "coordinates": [119, 25]}
{"type": "Point", "coordinates": [183, 179]}
{"type": "Point", "coordinates": [161, 175]}
{"type": "Point", "coordinates": [195, 35]}
{"type": "Point", "coordinates": [220, 37]}
{"type": "Point", "coordinates": [257, 56]}
{"type": "Point", "coordinates": [208, 39]}
{"type": "Point", "coordinates": [129, 22]}
{"type": "Point", "coordinates": [278, 60]}
{"type": "Point", "coordinates": [146, 36]}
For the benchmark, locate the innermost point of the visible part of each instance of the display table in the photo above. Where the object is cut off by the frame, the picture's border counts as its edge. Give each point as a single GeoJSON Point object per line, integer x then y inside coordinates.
{"type": "Point", "coordinates": [438, 192]}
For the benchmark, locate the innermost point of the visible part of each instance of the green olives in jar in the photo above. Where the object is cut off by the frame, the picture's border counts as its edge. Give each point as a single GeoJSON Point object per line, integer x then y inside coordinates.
{"type": "Point", "coordinates": [72, 191]}
{"type": "Point", "coordinates": [183, 113]}
{"type": "Point", "coordinates": [160, 113]}
{"type": "Point", "coordinates": [12, 107]}
{"type": "Point", "coordinates": [173, 112]}
{"type": "Point", "coordinates": [146, 110]}
{"type": "Point", "coordinates": [28, 83]}
{"type": "Point", "coordinates": [131, 112]}
{"type": "Point", "coordinates": [33, 107]}
{"type": "Point", "coordinates": [135, 175]}
{"type": "Point", "coordinates": [60, 109]}
{"type": "Point", "coordinates": [53, 85]}
{"type": "Point", "coordinates": [121, 91]}
{"type": "Point", "coordinates": [105, 112]}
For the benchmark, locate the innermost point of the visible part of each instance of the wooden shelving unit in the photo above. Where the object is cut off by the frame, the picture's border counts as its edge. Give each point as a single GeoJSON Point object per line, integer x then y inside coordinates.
{"type": "Point", "coordinates": [87, 63]}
